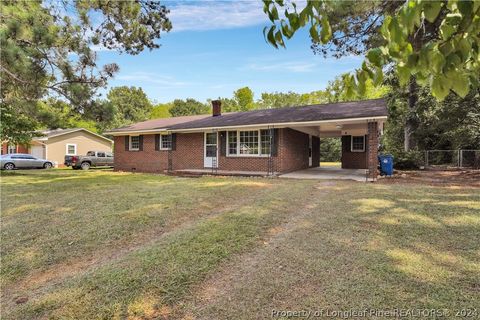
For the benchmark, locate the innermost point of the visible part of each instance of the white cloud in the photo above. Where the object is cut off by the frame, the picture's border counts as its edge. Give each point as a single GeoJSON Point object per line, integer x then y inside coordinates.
{"type": "Point", "coordinates": [292, 66]}
{"type": "Point", "coordinates": [209, 15]}
{"type": "Point", "coordinates": [152, 78]}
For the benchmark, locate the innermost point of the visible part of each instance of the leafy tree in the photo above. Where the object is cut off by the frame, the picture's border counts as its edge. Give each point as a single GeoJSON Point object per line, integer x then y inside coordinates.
{"type": "Point", "coordinates": [130, 104]}
{"type": "Point", "coordinates": [188, 107]}
{"type": "Point", "coordinates": [432, 43]}
{"type": "Point", "coordinates": [161, 110]}
{"type": "Point", "coordinates": [244, 99]}
{"type": "Point", "coordinates": [330, 149]}
{"type": "Point", "coordinates": [56, 114]}
{"type": "Point", "coordinates": [228, 105]}
{"type": "Point", "coordinates": [337, 92]}
{"type": "Point", "coordinates": [453, 123]}
{"type": "Point", "coordinates": [47, 51]}
{"type": "Point", "coordinates": [334, 92]}
{"type": "Point", "coordinates": [104, 112]}
{"type": "Point", "coordinates": [280, 99]}
{"type": "Point", "coordinates": [13, 124]}
{"type": "Point", "coordinates": [52, 114]}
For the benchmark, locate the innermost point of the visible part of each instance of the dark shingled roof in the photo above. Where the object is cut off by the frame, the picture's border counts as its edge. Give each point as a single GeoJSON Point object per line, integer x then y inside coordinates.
{"type": "Point", "coordinates": [161, 123]}
{"type": "Point", "coordinates": [316, 112]}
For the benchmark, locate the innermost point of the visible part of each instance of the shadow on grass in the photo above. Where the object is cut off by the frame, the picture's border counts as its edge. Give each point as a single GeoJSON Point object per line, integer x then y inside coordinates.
{"type": "Point", "coordinates": [53, 227]}
{"type": "Point", "coordinates": [425, 244]}
{"type": "Point", "coordinates": [365, 247]}
{"type": "Point", "coordinates": [162, 273]}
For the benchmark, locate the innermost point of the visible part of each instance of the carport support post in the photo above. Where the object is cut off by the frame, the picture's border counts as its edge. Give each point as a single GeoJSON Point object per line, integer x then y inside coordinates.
{"type": "Point", "coordinates": [372, 149]}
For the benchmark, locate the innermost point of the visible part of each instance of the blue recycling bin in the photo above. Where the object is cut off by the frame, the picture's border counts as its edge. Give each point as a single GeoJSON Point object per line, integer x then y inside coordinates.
{"type": "Point", "coordinates": [386, 164]}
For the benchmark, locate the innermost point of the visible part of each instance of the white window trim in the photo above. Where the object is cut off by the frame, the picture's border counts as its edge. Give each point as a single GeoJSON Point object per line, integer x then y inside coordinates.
{"type": "Point", "coordinates": [351, 144]}
{"type": "Point", "coordinates": [66, 149]}
{"type": "Point", "coordinates": [161, 142]}
{"type": "Point", "coordinates": [130, 143]}
{"type": "Point", "coordinates": [13, 146]}
{"type": "Point", "coordinates": [256, 155]}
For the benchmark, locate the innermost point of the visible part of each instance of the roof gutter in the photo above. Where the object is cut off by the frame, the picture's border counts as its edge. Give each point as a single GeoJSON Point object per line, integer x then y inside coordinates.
{"type": "Point", "coordinates": [122, 133]}
{"type": "Point", "coordinates": [276, 125]}
{"type": "Point", "coordinates": [45, 138]}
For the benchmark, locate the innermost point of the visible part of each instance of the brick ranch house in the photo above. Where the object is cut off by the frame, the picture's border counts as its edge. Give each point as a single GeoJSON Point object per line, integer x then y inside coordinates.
{"type": "Point", "coordinates": [271, 141]}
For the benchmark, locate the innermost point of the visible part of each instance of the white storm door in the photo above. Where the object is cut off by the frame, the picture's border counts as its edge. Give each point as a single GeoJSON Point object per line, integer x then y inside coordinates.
{"type": "Point", "coordinates": [211, 150]}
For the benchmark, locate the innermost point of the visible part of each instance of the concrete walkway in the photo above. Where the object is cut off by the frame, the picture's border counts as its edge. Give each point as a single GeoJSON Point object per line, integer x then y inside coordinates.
{"type": "Point", "coordinates": [334, 173]}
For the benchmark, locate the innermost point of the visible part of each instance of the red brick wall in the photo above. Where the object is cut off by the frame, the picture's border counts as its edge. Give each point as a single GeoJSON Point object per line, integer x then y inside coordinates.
{"type": "Point", "coordinates": [147, 160]}
{"type": "Point", "coordinates": [372, 149]}
{"type": "Point", "coordinates": [353, 160]}
{"type": "Point", "coordinates": [293, 150]}
{"type": "Point", "coordinates": [20, 148]}
{"type": "Point", "coordinates": [241, 163]}
{"type": "Point", "coordinates": [292, 155]}
{"type": "Point", "coordinates": [189, 151]}
{"type": "Point", "coordinates": [188, 154]}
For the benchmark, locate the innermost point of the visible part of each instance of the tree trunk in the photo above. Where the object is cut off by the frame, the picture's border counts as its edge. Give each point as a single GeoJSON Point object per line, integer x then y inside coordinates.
{"type": "Point", "coordinates": [409, 142]}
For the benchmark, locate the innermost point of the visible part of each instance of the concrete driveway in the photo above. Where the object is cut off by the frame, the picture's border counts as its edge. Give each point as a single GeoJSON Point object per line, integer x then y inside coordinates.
{"type": "Point", "coordinates": [330, 173]}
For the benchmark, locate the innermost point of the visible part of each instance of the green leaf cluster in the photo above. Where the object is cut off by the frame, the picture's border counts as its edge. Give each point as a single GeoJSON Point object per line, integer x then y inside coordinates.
{"type": "Point", "coordinates": [437, 43]}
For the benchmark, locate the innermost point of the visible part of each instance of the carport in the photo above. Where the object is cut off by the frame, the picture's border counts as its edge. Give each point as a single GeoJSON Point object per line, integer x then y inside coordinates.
{"type": "Point", "coordinates": [359, 149]}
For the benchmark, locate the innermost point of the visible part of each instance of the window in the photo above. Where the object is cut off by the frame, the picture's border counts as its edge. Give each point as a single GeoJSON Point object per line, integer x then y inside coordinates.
{"type": "Point", "coordinates": [232, 142]}
{"type": "Point", "coordinates": [71, 149]}
{"type": "Point", "coordinates": [12, 148]}
{"type": "Point", "coordinates": [248, 142]}
{"type": "Point", "coordinates": [91, 154]}
{"type": "Point", "coordinates": [266, 142]}
{"type": "Point", "coordinates": [253, 142]}
{"type": "Point", "coordinates": [134, 143]}
{"type": "Point", "coordinates": [109, 155]}
{"type": "Point", "coordinates": [358, 143]}
{"type": "Point", "coordinates": [101, 154]}
{"type": "Point", "coordinates": [165, 142]}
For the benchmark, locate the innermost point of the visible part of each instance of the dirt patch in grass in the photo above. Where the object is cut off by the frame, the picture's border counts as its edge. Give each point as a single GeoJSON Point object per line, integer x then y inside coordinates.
{"type": "Point", "coordinates": [461, 178]}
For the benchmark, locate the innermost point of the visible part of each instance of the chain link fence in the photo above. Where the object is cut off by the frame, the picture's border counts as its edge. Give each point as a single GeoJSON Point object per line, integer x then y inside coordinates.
{"type": "Point", "coordinates": [452, 158]}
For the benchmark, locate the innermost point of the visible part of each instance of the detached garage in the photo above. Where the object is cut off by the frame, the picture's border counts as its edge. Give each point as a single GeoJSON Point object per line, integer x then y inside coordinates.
{"type": "Point", "coordinates": [55, 144]}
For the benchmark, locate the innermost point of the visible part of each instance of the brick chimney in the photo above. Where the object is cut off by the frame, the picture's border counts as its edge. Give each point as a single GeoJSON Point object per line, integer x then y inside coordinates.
{"type": "Point", "coordinates": [216, 108]}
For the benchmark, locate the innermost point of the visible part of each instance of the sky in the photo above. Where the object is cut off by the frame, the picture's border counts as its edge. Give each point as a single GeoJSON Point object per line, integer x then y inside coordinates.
{"type": "Point", "coordinates": [215, 48]}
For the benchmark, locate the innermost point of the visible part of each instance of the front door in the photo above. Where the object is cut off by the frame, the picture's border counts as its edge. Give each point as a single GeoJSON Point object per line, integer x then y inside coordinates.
{"type": "Point", "coordinates": [211, 152]}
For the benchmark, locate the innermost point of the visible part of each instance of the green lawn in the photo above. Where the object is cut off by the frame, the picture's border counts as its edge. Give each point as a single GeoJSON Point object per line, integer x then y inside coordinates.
{"type": "Point", "coordinates": [330, 164]}
{"type": "Point", "coordinates": [100, 244]}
